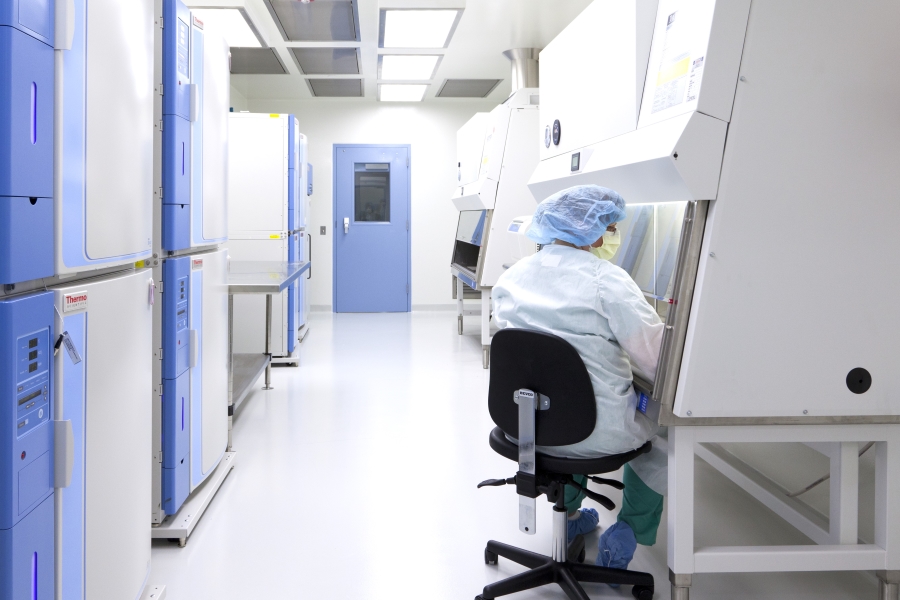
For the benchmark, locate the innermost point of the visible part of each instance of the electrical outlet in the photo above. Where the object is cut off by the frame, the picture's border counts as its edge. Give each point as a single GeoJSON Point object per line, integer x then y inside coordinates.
{"type": "Point", "coordinates": [322, 230]}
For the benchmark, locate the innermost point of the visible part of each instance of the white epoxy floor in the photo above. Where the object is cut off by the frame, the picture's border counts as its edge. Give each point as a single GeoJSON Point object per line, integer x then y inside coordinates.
{"type": "Point", "coordinates": [355, 480]}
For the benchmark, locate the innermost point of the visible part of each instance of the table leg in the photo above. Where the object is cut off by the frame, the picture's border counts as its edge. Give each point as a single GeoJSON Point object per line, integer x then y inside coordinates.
{"type": "Point", "coordinates": [269, 342]}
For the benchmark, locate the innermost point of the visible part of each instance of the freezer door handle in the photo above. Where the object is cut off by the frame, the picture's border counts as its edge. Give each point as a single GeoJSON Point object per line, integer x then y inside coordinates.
{"type": "Point", "coordinates": [195, 345]}
{"type": "Point", "coordinates": [63, 453]}
{"type": "Point", "coordinates": [346, 224]}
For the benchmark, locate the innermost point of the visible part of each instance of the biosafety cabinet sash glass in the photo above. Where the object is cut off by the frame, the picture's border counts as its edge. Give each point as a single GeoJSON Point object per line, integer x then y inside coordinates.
{"type": "Point", "coordinates": [650, 235]}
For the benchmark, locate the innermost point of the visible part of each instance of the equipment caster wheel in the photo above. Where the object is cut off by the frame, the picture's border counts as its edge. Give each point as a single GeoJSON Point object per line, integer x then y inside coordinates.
{"type": "Point", "coordinates": [489, 559]}
{"type": "Point", "coordinates": [642, 593]}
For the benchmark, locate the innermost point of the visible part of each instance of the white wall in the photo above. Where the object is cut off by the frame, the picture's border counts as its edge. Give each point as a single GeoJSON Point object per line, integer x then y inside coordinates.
{"type": "Point", "coordinates": [430, 129]}
{"type": "Point", "coordinates": [238, 100]}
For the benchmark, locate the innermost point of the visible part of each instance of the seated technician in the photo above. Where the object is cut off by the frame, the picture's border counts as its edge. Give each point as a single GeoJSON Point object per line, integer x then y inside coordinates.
{"type": "Point", "coordinates": [570, 289]}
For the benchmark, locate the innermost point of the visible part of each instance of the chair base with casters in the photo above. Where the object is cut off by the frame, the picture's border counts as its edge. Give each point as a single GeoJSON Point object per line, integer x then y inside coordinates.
{"type": "Point", "coordinates": [564, 566]}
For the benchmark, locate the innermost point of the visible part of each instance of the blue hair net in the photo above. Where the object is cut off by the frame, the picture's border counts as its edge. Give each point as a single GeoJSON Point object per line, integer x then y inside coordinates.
{"type": "Point", "coordinates": [578, 215]}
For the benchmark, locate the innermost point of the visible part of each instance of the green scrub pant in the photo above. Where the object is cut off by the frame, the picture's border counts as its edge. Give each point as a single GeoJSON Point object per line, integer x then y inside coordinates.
{"type": "Point", "coordinates": [641, 506]}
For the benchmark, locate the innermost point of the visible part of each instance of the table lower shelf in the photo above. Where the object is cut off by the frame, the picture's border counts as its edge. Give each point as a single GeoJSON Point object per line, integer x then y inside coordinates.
{"type": "Point", "coordinates": [246, 369]}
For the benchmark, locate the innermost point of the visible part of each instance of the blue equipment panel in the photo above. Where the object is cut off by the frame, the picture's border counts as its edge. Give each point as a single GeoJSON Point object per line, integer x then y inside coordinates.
{"type": "Point", "coordinates": [26, 444]}
{"type": "Point", "coordinates": [27, 561]}
{"type": "Point", "coordinates": [177, 149]}
{"type": "Point", "coordinates": [34, 17]}
{"type": "Point", "coordinates": [176, 442]}
{"type": "Point", "coordinates": [292, 294]}
{"type": "Point", "coordinates": [26, 147]}
{"type": "Point", "coordinates": [309, 179]}
{"type": "Point", "coordinates": [176, 369]}
{"type": "Point", "coordinates": [176, 335]}
{"type": "Point", "coordinates": [176, 59]}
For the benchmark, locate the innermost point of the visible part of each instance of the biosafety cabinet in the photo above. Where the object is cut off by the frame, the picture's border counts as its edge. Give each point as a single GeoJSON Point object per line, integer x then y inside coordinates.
{"type": "Point", "coordinates": [269, 184]}
{"type": "Point", "coordinates": [748, 138]}
{"type": "Point", "coordinates": [496, 154]}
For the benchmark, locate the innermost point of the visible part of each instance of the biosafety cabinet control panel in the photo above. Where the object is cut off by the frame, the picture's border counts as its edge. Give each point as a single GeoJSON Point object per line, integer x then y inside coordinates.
{"type": "Point", "coordinates": [33, 381]}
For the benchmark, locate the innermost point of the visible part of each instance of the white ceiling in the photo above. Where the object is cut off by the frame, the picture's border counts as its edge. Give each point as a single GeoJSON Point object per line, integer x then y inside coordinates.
{"type": "Point", "coordinates": [486, 29]}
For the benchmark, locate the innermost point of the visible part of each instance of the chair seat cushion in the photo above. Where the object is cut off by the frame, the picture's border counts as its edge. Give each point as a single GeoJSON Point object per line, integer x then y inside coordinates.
{"type": "Point", "coordinates": [568, 466]}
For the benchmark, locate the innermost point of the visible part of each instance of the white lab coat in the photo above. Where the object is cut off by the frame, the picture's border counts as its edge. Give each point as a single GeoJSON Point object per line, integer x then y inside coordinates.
{"type": "Point", "coordinates": [595, 306]}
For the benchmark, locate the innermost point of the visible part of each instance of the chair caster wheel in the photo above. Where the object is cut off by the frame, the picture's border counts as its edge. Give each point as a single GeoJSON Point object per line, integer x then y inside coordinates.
{"type": "Point", "coordinates": [489, 559]}
{"type": "Point", "coordinates": [642, 593]}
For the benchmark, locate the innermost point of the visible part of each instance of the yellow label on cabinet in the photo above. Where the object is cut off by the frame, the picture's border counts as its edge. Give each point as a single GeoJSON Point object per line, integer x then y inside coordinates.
{"type": "Point", "coordinates": [275, 236]}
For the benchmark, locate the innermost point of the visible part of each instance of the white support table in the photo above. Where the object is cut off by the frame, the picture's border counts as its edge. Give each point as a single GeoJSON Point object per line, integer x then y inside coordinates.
{"type": "Point", "coordinates": [837, 545]}
{"type": "Point", "coordinates": [254, 277]}
{"type": "Point", "coordinates": [485, 313]}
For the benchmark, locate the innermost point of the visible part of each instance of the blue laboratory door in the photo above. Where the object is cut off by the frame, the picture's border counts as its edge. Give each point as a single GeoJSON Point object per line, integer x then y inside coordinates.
{"type": "Point", "coordinates": [371, 229]}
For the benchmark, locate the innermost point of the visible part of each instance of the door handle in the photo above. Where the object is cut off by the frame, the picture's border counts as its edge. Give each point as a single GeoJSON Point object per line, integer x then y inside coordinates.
{"type": "Point", "coordinates": [347, 225]}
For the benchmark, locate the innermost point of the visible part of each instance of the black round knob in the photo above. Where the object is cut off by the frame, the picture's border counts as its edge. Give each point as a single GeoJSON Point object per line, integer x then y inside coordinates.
{"type": "Point", "coordinates": [859, 381]}
{"type": "Point", "coordinates": [557, 132]}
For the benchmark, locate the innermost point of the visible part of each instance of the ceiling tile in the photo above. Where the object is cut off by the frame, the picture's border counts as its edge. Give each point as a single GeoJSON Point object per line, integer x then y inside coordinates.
{"type": "Point", "coordinates": [256, 61]}
{"type": "Point", "coordinates": [327, 61]}
{"type": "Point", "coordinates": [467, 88]}
{"type": "Point", "coordinates": [319, 21]}
{"type": "Point", "coordinates": [336, 88]}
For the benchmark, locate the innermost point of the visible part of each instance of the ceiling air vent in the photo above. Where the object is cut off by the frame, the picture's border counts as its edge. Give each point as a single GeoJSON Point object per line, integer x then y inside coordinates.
{"type": "Point", "coordinates": [468, 88]}
{"type": "Point", "coordinates": [327, 61]}
{"type": "Point", "coordinates": [336, 88]}
{"type": "Point", "coordinates": [256, 61]}
{"type": "Point", "coordinates": [319, 21]}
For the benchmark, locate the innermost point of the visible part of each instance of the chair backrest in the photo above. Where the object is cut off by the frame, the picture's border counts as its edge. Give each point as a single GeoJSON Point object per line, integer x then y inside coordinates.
{"type": "Point", "coordinates": [549, 365]}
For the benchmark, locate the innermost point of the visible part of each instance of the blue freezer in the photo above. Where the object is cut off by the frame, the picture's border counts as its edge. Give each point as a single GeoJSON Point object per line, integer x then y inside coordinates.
{"type": "Point", "coordinates": [26, 448]}
{"type": "Point", "coordinates": [26, 140]}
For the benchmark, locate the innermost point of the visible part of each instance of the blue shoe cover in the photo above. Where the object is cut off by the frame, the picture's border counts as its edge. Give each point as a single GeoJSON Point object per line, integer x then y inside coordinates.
{"type": "Point", "coordinates": [617, 546]}
{"type": "Point", "coordinates": [584, 524]}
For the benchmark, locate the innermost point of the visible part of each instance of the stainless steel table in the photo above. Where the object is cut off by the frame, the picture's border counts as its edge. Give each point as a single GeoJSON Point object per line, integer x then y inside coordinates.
{"type": "Point", "coordinates": [254, 277]}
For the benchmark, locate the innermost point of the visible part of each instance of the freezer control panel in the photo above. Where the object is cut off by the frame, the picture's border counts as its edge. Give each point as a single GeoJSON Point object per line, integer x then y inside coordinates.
{"type": "Point", "coordinates": [176, 317]}
{"type": "Point", "coordinates": [32, 381]}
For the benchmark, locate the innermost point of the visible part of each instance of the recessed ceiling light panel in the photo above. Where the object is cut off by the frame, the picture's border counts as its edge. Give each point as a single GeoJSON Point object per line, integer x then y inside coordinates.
{"type": "Point", "coordinates": [394, 92]}
{"type": "Point", "coordinates": [407, 67]}
{"type": "Point", "coordinates": [232, 23]}
{"type": "Point", "coordinates": [431, 28]}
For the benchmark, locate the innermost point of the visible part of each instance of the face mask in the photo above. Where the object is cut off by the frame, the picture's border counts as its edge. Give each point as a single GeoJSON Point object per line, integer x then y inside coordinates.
{"type": "Point", "coordinates": [611, 243]}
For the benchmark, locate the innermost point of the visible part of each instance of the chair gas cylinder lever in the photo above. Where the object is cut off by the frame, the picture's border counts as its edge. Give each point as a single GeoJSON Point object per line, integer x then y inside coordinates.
{"type": "Point", "coordinates": [610, 482]}
{"type": "Point", "coordinates": [497, 482]}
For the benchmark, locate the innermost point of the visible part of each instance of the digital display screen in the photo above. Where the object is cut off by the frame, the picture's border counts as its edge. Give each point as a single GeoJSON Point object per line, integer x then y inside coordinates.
{"type": "Point", "coordinates": [33, 343]}
{"type": "Point", "coordinates": [182, 311]}
{"type": "Point", "coordinates": [30, 396]}
{"type": "Point", "coordinates": [32, 355]}
{"type": "Point", "coordinates": [32, 367]}
{"type": "Point", "coordinates": [576, 161]}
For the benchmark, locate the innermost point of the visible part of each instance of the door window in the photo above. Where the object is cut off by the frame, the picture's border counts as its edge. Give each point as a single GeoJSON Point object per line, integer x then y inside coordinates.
{"type": "Point", "coordinates": [372, 194]}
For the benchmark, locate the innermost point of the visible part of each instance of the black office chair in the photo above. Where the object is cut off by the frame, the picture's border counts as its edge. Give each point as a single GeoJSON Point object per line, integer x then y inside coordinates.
{"type": "Point", "coordinates": [541, 388]}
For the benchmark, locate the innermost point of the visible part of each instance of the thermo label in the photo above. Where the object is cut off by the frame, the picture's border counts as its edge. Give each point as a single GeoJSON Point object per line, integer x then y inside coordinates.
{"type": "Point", "coordinates": [75, 302]}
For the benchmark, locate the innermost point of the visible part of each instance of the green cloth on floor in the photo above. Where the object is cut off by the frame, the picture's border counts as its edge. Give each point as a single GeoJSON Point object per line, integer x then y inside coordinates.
{"type": "Point", "coordinates": [641, 508]}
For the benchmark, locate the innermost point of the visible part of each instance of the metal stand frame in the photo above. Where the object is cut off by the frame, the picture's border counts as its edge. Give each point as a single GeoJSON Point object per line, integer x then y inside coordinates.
{"type": "Point", "coordinates": [838, 547]}
{"type": "Point", "coordinates": [485, 313]}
